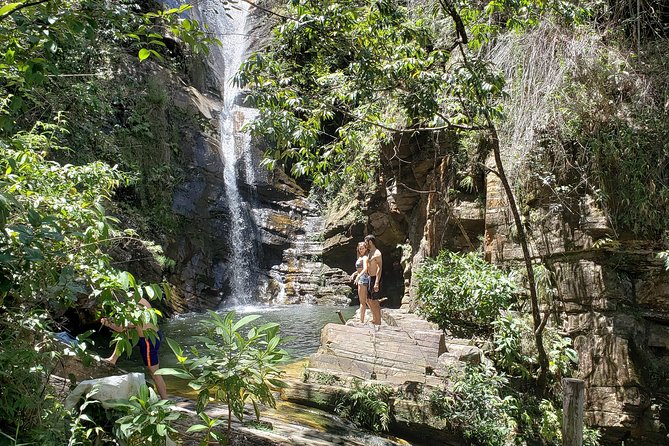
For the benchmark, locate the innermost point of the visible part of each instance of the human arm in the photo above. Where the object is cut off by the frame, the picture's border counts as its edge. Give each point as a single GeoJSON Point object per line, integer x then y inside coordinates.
{"type": "Point", "coordinates": [379, 270]}
{"type": "Point", "coordinates": [109, 324]}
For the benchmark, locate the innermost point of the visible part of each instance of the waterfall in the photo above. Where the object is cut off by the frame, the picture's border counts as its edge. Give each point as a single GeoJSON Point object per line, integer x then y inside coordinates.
{"type": "Point", "coordinates": [230, 27]}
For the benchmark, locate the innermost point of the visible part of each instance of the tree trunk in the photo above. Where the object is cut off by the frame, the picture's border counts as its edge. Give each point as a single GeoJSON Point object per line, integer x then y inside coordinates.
{"type": "Point", "coordinates": [522, 239]}
{"type": "Point", "coordinates": [572, 412]}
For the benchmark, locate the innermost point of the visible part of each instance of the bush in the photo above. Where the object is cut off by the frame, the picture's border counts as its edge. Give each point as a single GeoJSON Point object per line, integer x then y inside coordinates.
{"type": "Point", "coordinates": [516, 352]}
{"type": "Point", "coordinates": [147, 419]}
{"type": "Point", "coordinates": [475, 405]}
{"type": "Point", "coordinates": [367, 406]}
{"type": "Point", "coordinates": [462, 288]}
{"type": "Point", "coordinates": [232, 368]}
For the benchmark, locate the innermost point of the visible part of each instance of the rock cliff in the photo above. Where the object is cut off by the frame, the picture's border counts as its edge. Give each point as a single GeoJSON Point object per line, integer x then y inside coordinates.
{"type": "Point", "coordinates": [613, 295]}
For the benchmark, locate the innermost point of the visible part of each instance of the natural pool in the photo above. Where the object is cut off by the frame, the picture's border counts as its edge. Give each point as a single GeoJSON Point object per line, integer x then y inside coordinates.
{"type": "Point", "coordinates": [300, 327]}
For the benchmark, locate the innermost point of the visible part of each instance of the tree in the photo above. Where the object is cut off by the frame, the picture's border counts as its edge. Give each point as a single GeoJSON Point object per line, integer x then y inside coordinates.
{"type": "Point", "coordinates": [44, 41]}
{"type": "Point", "coordinates": [54, 229]}
{"type": "Point", "coordinates": [344, 77]}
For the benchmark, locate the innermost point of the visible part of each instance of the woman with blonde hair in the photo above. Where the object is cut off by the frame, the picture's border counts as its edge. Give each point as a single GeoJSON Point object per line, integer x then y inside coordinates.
{"type": "Point", "coordinates": [361, 278]}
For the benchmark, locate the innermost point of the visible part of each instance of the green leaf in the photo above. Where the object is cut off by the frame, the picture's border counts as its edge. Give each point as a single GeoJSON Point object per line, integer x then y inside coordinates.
{"type": "Point", "coordinates": [143, 54]}
{"type": "Point", "coordinates": [8, 8]}
{"type": "Point", "coordinates": [244, 321]}
{"type": "Point", "coordinates": [174, 372]}
{"type": "Point", "coordinates": [278, 383]}
{"type": "Point", "coordinates": [197, 428]}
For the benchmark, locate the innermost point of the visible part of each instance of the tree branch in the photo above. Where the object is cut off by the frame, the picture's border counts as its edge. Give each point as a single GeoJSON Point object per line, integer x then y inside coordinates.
{"type": "Point", "coordinates": [269, 11]}
{"type": "Point", "coordinates": [23, 6]}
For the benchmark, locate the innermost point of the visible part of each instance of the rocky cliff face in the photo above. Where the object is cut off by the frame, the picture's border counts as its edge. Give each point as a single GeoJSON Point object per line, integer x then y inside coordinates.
{"type": "Point", "coordinates": [287, 263]}
{"type": "Point", "coordinates": [613, 295]}
{"type": "Point", "coordinates": [612, 302]}
{"type": "Point", "coordinates": [287, 229]}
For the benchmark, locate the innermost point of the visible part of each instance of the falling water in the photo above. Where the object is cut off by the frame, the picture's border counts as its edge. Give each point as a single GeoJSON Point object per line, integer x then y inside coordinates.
{"type": "Point", "coordinates": [230, 26]}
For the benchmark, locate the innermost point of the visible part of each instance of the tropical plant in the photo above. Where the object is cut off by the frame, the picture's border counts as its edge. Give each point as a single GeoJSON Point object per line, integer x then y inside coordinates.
{"type": "Point", "coordinates": [54, 231]}
{"type": "Point", "coordinates": [209, 425]}
{"type": "Point", "coordinates": [475, 404]}
{"type": "Point", "coordinates": [368, 406]}
{"type": "Point", "coordinates": [86, 427]}
{"type": "Point", "coordinates": [232, 368]}
{"type": "Point", "coordinates": [462, 288]}
{"type": "Point", "coordinates": [516, 353]}
{"type": "Point", "coordinates": [146, 420]}
{"type": "Point", "coordinates": [53, 235]}
{"type": "Point", "coordinates": [40, 38]}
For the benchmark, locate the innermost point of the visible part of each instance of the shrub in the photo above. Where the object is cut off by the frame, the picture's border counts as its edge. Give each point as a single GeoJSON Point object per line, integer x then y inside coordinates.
{"type": "Point", "coordinates": [367, 406]}
{"type": "Point", "coordinates": [462, 288]}
{"type": "Point", "coordinates": [232, 368]}
{"type": "Point", "coordinates": [515, 350]}
{"type": "Point", "coordinates": [475, 405]}
{"type": "Point", "coordinates": [147, 420]}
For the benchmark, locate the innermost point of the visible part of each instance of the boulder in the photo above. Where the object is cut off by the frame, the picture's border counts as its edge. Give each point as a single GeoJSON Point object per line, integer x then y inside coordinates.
{"type": "Point", "coordinates": [105, 389]}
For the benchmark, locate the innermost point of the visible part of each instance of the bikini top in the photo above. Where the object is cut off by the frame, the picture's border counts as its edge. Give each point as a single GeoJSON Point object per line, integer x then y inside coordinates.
{"type": "Point", "coordinates": [359, 263]}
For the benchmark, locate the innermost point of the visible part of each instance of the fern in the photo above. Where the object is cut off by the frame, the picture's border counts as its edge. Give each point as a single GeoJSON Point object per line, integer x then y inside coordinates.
{"type": "Point", "coordinates": [366, 406]}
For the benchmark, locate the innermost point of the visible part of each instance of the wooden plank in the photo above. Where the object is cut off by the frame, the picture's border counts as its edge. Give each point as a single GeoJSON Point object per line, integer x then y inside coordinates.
{"type": "Point", "coordinates": [572, 412]}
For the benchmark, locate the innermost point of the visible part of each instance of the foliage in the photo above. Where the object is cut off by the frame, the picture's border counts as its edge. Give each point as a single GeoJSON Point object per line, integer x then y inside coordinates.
{"type": "Point", "coordinates": [76, 62]}
{"type": "Point", "coordinates": [24, 360]}
{"type": "Point", "coordinates": [368, 406]}
{"type": "Point", "coordinates": [320, 91]}
{"type": "Point", "coordinates": [53, 234]}
{"type": "Point", "coordinates": [147, 419]}
{"type": "Point", "coordinates": [591, 436]}
{"type": "Point", "coordinates": [612, 141]}
{"type": "Point", "coordinates": [476, 406]}
{"type": "Point", "coordinates": [39, 39]}
{"type": "Point", "coordinates": [462, 288]}
{"type": "Point", "coordinates": [210, 425]}
{"type": "Point", "coordinates": [341, 77]}
{"type": "Point", "coordinates": [54, 231]}
{"type": "Point", "coordinates": [233, 368]}
{"type": "Point", "coordinates": [516, 353]}
{"type": "Point", "coordinates": [85, 427]}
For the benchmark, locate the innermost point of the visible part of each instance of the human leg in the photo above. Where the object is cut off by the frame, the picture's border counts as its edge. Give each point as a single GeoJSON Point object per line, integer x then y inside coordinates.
{"type": "Point", "coordinates": [375, 306]}
{"type": "Point", "coordinates": [114, 356]}
{"type": "Point", "coordinates": [158, 381]}
{"type": "Point", "coordinates": [362, 296]}
{"type": "Point", "coordinates": [373, 302]}
{"type": "Point", "coordinates": [149, 350]}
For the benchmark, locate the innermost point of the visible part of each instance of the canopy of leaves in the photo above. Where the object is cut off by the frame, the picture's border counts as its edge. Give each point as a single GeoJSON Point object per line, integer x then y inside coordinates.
{"type": "Point", "coordinates": [341, 76]}
{"type": "Point", "coordinates": [54, 231]}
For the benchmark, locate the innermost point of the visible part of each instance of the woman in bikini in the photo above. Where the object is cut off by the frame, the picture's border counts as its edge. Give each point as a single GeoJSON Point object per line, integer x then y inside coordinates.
{"type": "Point", "coordinates": [361, 278]}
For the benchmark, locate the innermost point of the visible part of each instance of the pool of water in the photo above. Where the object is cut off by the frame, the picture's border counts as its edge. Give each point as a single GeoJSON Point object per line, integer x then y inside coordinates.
{"type": "Point", "coordinates": [300, 327]}
{"type": "Point", "coordinates": [300, 324]}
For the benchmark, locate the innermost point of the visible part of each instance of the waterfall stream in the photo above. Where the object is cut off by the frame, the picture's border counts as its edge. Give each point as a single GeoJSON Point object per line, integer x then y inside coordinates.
{"type": "Point", "coordinates": [235, 151]}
